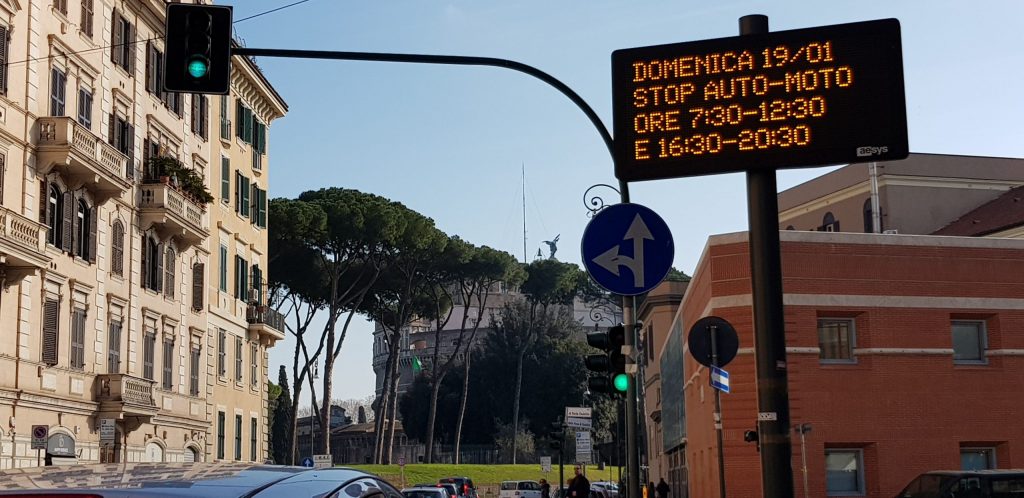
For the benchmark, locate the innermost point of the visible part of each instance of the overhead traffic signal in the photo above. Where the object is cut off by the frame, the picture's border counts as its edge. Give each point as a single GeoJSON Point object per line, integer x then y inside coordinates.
{"type": "Point", "coordinates": [198, 44]}
{"type": "Point", "coordinates": [611, 376]}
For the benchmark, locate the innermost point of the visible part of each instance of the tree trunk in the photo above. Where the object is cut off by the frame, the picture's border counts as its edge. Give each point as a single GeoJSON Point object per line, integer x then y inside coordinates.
{"type": "Point", "coordinates": [394, 413]}
{"type": "Point", "coordinates": [380, 411]}
{"type": "Point", "coordinates": [325, 411]}
{"type": "Point", "coordinates": [515, 404]}
{"type": "Point", "coordinates": [434, 391]}
{"type": "Point", "coordinates": [462, 405]}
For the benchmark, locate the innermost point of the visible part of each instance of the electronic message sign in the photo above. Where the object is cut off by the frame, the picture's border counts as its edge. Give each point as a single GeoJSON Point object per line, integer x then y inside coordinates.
{"type": "Point", "coordinates": [806, 97]}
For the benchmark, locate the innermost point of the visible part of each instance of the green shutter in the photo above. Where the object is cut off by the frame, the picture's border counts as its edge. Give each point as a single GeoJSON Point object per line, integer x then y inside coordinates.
{"type": "Point", "coordinates": [225, 179]}
{"type": "Point", "coordinates": [223, 269]}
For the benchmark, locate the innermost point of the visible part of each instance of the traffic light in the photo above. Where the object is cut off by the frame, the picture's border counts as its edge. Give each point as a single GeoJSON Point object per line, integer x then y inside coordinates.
{"type": "Point", "coordinates": [611, 366]}
{"type": "Point", "coordinates": [198, 44]}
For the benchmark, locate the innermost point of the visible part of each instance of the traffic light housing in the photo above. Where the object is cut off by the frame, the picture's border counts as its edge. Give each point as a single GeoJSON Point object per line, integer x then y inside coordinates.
{"type": "Point", "coordinates": [610, 367]}
{"type": "Point", "coordinates": [198, 45]}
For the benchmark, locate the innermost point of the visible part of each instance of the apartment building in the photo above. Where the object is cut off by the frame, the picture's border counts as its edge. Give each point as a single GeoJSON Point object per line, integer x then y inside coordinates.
{"type": "Point", "coordinates": [110, 311]}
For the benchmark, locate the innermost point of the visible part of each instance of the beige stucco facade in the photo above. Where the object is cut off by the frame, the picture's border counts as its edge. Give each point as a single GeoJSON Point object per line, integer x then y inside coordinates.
{"type": "Point", "coordinates": [110, 298]}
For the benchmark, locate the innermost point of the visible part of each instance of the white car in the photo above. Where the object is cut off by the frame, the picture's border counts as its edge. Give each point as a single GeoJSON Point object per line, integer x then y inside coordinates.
{"type": "Point", "coordinates": [425, 492]}
{"type": "Point", "coordinates": [611, 490]}
{"type": "Point", "coordinates": [519, 489]}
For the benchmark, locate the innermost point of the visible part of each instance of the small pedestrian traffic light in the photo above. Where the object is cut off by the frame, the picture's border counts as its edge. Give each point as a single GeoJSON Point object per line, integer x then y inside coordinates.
{"type": "Point", "coordinates": [611, 374]}
{"type": "Point", "coordinates": [198, 46]}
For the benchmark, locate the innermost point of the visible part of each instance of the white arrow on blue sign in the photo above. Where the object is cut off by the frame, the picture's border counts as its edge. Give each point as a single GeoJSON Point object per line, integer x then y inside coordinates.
{"type": "Point", "coordinates": [627, 249]}
{"type": "Point", "coordinates": [307, 462]}
{"type": "Point", "coordinates": [719, 379]}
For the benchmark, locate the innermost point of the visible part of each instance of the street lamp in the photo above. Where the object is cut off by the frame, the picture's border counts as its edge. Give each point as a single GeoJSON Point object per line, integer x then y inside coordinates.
{"type": "Point", "coordinates": [803, 429]}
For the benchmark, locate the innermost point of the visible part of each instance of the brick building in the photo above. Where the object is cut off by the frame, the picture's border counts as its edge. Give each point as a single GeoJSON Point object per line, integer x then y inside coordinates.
{"type": "Point", "coordinates": [904, 353]}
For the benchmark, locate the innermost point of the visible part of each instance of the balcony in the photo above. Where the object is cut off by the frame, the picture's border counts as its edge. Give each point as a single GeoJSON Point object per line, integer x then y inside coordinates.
{"type": "Point", "coordinates": [164, 207]}
{"type": "Point", "coordinates": [124, 395]}
{"type": "Point", "coordinates": [22, 245]}
{"type": "Point", "coordinates": [265, 321]}
{"type": "Point", "coordinates": [81, 157]}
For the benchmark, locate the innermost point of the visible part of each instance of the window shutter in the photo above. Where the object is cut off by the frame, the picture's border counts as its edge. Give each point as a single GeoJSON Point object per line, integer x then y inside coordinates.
{"type": "Point", "coordinates": [195, 112]}
{"type": "Point", "coordinates": [263, 209]}
{"type": "Point", "coordinates": [225, 179]}
{"type": "Point", "coordinates": [114, 348]}
{"type": "Point", "coordinates": [4, 48]}
{"type": "Point", "coordinates": [238, 192]}
{"type": "Point", "coordinates": [130, 47]}
{"type": "Point", "coordinates": [158, 279]}
{"type": "Point", "coordinates": [169, 273]}
{"type": "Point", "coordinates": [239, 119]}
{"type": "Point", "coordinates": [254, 195]}
{"type": "Point", "coordinates": [44, 201]}
{"type": "Point", "coordinates": [92, 234]}
{"type": "Point", "coordinates": [130, 132]}
{"type": "Point", "coordinates": [145, 262]}
{"type": "Point", "coordinates": [197, 286]}
{"type": "Point", "coordinates": [67, 222]}
{"type": "Point", "coordinates": [117, 249]}
{"type": "Point", "coordinates": [150, 67]}
{"type": "Point", "coordinates": [116, 40]}
{"type": "Point", "coordinates": [51, 309]}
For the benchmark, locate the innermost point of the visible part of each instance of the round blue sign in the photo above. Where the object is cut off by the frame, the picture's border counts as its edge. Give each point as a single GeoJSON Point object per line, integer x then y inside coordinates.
{"type": "Point", "coordinates": [627, 249]}
{"type": "Point", "coordinates": [307, 462]}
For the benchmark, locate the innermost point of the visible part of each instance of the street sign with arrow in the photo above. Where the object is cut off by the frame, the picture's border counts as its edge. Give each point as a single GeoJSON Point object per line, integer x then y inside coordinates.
{"type": "Point", "coordinates": [627, 249]}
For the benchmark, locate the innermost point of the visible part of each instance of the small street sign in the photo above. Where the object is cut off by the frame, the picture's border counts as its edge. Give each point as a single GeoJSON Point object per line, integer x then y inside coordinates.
{"type": "Point", "coordinates": [577, 412]}
{"type": "Point", "coordinates": [401, 461]}
{"type": "Point", "coordinates": [322, 461]}
{"type": "Point", "coordinates": [726, 341]}
{"type": "Point", "coordinates": [583, 441]}
{"type": "Point", "coordinates": [108, 430]}
{"type": "Point", "coordinates": [578, 423]}
{"type": "Point", "coordinates": [719, 379]}
{"type": "Point", "coordinates": [39, 434]}
{"type": "Point", "coordinates": [545, 464]}
{"type": "Point", "coordinates": [307, 462]}
{"type": "Point", "coordinates": [627, 237]}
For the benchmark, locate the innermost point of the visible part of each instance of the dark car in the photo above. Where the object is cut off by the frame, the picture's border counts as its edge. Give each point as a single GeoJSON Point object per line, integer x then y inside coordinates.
{"type": "Point", "coordinates": [463, 485]}
{"type": "Point", "coordinates": [199, 480]}
{"type": "Point", "coordinates": [966, 484]}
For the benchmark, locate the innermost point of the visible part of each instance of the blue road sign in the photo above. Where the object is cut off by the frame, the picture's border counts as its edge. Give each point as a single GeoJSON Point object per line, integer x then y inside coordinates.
{"type": "Point", "coordinates": [307, 462]}
{"type": "Point", "coordinates": [627, 249]}
{"type": "Point", "coordinates": [719, 379]}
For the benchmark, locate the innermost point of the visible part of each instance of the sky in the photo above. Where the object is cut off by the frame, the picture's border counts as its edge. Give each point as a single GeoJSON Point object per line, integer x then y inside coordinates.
{"type": "Point", "coordinates": [452, 142]}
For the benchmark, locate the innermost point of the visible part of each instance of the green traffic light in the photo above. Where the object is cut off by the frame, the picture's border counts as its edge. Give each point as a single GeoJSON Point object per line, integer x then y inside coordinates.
{"type": "Point", "coordinates": [621, 382]}
{"type": "Point", "coordinates": [197, 68]}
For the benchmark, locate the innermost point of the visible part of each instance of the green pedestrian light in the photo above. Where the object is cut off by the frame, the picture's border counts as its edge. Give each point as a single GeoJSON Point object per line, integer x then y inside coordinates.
{"type": "Point", "coordinates": [621, 382]}
{"type": "Point", "coordinates": [197, 68]}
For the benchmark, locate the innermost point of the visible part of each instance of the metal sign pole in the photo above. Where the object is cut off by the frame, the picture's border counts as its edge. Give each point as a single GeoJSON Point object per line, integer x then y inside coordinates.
{"type": "Point", "coordinates": [713, 332]}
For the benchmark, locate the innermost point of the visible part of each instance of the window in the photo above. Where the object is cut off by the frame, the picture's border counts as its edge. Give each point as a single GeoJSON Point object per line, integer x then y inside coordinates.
{"type": "Point", "coordinates": [198, 287]}
{"type": "Point", "coordinates": [977, 458]}
{"type": "Point", "coordinates": [238, 437]}
{"type": "Point", "coordinates": [222, 346]}
{"type": "Point", "coordinates": [118, 248]}
{"type": "Point", "coordinates": [200, 116]}
{"type": "Point", "coordinates": [51, 212]}
{"type": "Point", "coordinates": [259, 144]}
{"type": "Point", "coordinates": [836, 339]}
{"type": "Point", "coordinates": [969, 342]}
{"type": "Point", "coordinates": [220, 435]}
{"type": "Point", "coordinates": [225, 179]}
{"type": "Point", "coordinates": [244, 118]}
{"type": "Point", "coordinates": [193, 370]}
{"type": "Point", "coordinates": [168, 365]}
{"type": "Point", "coordinates": [154, 70]}
{"type": "Point", "coordinates": [252, 439]}
{"type": "Point", "coordinates": [122, 48]}
{"type": "Point", "coordinates": [152, 264]}
{"type": "Point", "coordinates": [225, 123]}
{"type": "Point", "coordinates": [5, 43]}
{"type": "Point", "coordinates": [122, 137]}
{"type": "Point", "coordinates": [242, 194]}
{"type": "Point", "coordinates": [87, 13]}
{"type": "Point", "coordinates": [238, 359]}
{"type": "Point", "coordinates": [829, 223]}
{"type": "Point", "coordinates": [169, 273]}
{"type": "Point", "coordinates": [869, 221]}
{"type": "Point", "coordinates": [223, 269]}
{"type": "Point", "coordinates": [61, 6]}
{"type": "Point", "coordinates": [77, 361]}
{"type": "Point", "coordinates": [259, 207]}
{"type": "Point", "coordinates": [241, 278]}
{"type": "Point", "coordinates": [114, 346]}
{"type": "Point", "coordinates": [148, 354]}
{"type": "Point", "coordinates": [82, 230]}
{"type": "Point", "coordinates": [844, 472]}
{"type": "Point", "coordinates": [58, 84]}
{"type": "Point", "coordinates": [85, 107]}
{"type": "Point", "coordinates": [254, 364]}
{"type": "Point", "coordinates": [257, 285]}
{"type": "Point", "coordinates": [51, 309]}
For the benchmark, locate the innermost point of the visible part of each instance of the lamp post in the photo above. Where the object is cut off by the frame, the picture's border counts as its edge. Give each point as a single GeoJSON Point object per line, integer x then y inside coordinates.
{"type": "Point", "coordinates": [803, 429]}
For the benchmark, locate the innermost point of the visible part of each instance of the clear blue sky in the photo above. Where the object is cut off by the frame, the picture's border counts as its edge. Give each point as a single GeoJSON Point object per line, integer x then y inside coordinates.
{"type": "Point", "coordinates": [449, 141]}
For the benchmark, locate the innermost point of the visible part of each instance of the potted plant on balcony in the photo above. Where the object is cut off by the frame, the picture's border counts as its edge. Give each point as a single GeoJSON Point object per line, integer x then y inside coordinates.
{"type": "Point", "coordinates": [170, 170]}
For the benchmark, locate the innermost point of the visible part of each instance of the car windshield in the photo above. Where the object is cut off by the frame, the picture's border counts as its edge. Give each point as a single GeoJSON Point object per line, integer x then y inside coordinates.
{"type": "Point", "coordinates": [422, 494]}
{"type": "Point", "coordinates": [928, 486]}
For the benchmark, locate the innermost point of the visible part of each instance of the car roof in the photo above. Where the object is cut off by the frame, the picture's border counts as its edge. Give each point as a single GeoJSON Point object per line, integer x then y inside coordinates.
{"type": "Point", "coordinates": [169, 479]}
{"type": "Point", "coordinates": [965, 473]}
{"type": "Point", "coordinates": [423, 488]}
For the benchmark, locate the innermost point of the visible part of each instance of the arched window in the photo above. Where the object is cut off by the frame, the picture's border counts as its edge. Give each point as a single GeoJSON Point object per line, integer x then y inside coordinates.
{"type": "Point", "coordinates": [82, 229]}
{"type": "Point", "coordinates": [152, 264]}
{"type": "Point", "coordinates": [829, 223]}
{"type": "Point", "coordinates": [117, 248]}
{"type": "Point", "coordinates": [790, 228]}
{"type": "Point", "coordinates": [869, 224]}
{"type": "Point", "coordinates": [169, 272]}
{"type": "Point", "coordinates": [54, 209]}
{"type": "Point", "coordinates": [154, 452]}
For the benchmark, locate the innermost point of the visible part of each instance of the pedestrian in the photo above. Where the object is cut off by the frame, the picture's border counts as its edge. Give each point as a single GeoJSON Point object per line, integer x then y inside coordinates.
{"type": "Point", "coordinates": [545, 489]}
{"type": "Point", "coordinates": [580, 485]}
{"type": "Point", "coordinates": [649, 491]}
{"type": "Point", "coordinates": [663, 489]}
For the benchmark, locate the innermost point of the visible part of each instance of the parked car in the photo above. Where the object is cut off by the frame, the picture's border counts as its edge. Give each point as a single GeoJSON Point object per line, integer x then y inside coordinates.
{"type": "Point", "coordinates": [426, 491]}
{"type": "Point", "coordinates": [193, 480]}
{"type": "Point", "coordinates": [450, 488]}
{"type": "Point", "coordinates": [519, 489]}
{"type": "Point", "coordinates": [464, 486]}
{"type": "Point", "coordinates": [611, 490]}
{"type": "Point", "coordinates": [966, 484]}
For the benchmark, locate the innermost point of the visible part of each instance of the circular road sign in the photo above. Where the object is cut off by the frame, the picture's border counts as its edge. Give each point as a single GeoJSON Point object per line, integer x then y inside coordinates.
{"type": "Point", "coordinates": [627, 249]}
{"type": "Point", "coordinates": [726, 341]}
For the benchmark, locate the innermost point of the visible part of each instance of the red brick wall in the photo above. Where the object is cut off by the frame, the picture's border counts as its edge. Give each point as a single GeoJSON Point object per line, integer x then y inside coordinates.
{"type": "Point", "coordinates": [908, 412]}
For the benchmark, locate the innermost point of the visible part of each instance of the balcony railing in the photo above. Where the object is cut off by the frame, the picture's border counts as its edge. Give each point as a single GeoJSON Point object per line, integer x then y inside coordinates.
{"type": "Point", "coordinates": [162, 203]}
{"type": "Point", "coordinates": [127, 389]}
{"type": "Point", "coordinates": [258, 314]}
{"type": "Point", "coordinates": [62, 134]}
{"type": "Point", "coordinates": [23, 232]}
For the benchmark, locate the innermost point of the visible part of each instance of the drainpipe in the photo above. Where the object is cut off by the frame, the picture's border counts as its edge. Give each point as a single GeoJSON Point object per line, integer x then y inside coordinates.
{"type": "Point", "coordinates": [876, 210]}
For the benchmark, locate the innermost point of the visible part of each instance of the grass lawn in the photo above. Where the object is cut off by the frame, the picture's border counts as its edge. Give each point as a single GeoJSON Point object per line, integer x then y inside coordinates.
{"type": "Point", "coordinates": [486, 477]}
